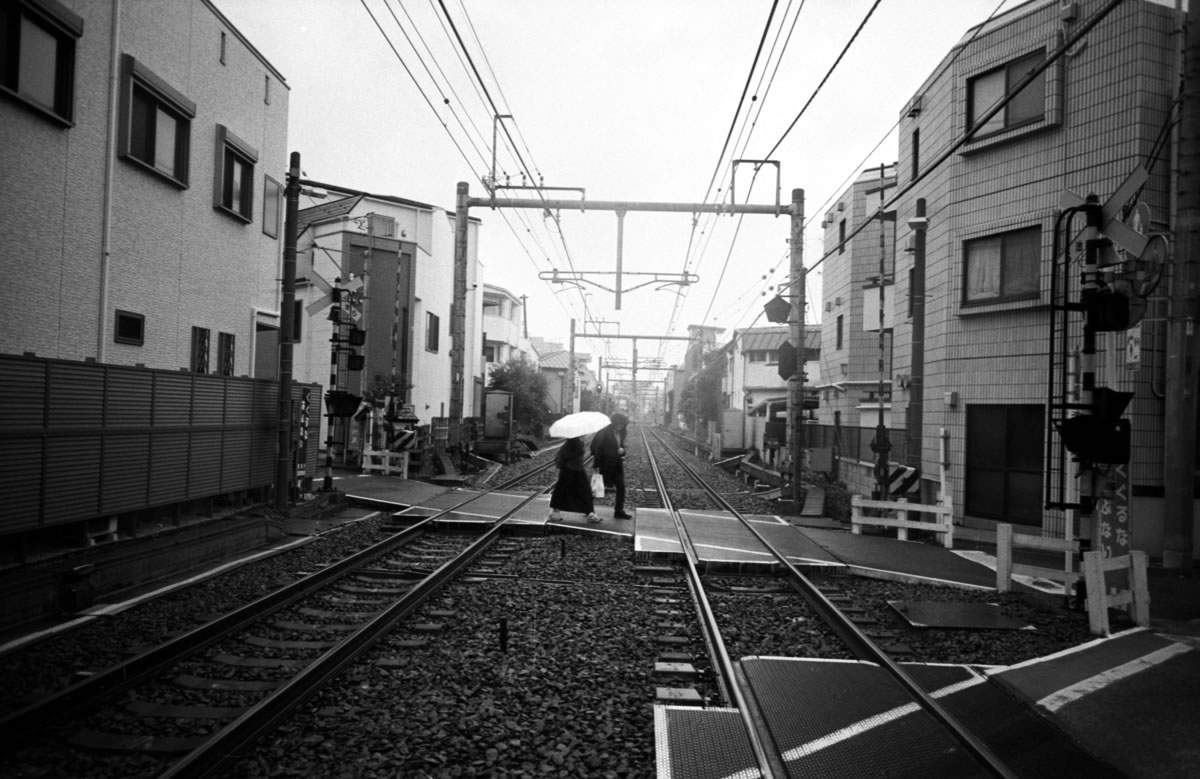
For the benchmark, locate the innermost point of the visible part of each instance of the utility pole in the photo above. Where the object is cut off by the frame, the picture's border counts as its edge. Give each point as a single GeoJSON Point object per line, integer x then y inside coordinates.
{"type": "Point", "coordinates": [525, 317]}
{"type": "Point", "coordinates": [283, 451]}
{"type": "Point", "coordinates": [458, 314]}
{"type": "Point", "coordinates": [796, 382]}
{"type": "Point", "coordinates": [1179, 450]}
{"type": "Point", "coordinates": [569, 406]}
{"type": "Point", "coordinates": [882, 445]}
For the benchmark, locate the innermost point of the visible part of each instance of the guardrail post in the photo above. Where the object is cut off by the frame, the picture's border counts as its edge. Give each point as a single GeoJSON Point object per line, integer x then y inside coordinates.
{"type": "Point", "coordinates": [1004, 542]}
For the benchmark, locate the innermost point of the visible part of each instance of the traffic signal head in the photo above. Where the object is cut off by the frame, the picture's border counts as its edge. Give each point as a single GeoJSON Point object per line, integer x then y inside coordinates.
{"type": "Point", "coordinates": [1096, 440]}
{"type": "Point", "coordinates": [358, 336]}
{"type": "Point", "coordinates": [335, 313]}
{"type": "Point", "coordinates": [787, 360]}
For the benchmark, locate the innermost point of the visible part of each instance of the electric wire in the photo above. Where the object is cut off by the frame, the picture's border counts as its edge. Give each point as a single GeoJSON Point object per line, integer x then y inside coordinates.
{"type": "Point", "coordinates": [408, 70]}
{"type": "Point", "coordinates": [832, 68]}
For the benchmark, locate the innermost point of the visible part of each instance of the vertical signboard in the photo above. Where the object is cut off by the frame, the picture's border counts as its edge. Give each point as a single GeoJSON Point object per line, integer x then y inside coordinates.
{"type": "Point", "coordinates": [1112, 515]}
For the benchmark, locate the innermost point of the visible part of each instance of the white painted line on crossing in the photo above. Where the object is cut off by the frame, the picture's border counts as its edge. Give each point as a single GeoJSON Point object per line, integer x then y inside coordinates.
{"type": "Point", "coordinates": [883, 718]}
{"type": "Point", "coordinates": [1069, 650]}
{"type": "Point", "coordinates": [1056, 700]}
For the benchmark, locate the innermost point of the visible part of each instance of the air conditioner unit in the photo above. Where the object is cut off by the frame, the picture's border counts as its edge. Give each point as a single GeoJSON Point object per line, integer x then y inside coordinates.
{"type": "Point", "coordinates": [837, 301]}
{"type": "Point", "coordinates": [828, 306]}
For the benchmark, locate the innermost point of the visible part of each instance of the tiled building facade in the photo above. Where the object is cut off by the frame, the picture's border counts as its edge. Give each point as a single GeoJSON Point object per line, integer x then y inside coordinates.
{"type": "Point", "coordinates": [1083, 125]}
{"type": "Point", "coordinates": [144, 181]}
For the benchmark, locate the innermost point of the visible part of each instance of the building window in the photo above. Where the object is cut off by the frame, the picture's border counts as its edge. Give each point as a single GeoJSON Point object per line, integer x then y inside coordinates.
{"type": "Point", "coordinates": [200, 336]}
{"type": "Point", "coordinates": [37, 65]}
{"type": "Point", "coordinates": [986, 90]}
{"type": "Point", "coordinates": [156, 123]}
{"type": "Point", "coordinates": [130, 328]}
{"type": "Point", "coordinates": [1003, 267]}
{"type": "Point", "coordinates": [267, 90]}
{"type": "Point", "coordinates": [272, 206]}
{"type": "Point", "coordinates": [225, 354]}
{"type": "Point", "coordinates": [915, 149]}
{"type": "Point", "coordinates": [222, 47]}
{"type": "Point", "coordinates": [233, 180]}
{"type": "Point", "coordinates": [840, 322]}
{"type": "Point", "coordinates": [842, 237]}
{"type": "Point", "coordinates": [432, 325]}
{"type": "Point", "coordinates": [1003, 473]}
{"type": "Point", "coordinates": [489, 354]}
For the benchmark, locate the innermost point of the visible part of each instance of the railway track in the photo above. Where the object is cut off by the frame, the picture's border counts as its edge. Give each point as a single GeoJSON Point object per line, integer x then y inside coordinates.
{"type": "Point", "coordinates": [539, 657]}
{"type": "Point", "coordinates": [827, 603]}
{"type": "Point", "coordinates": [187, 706]}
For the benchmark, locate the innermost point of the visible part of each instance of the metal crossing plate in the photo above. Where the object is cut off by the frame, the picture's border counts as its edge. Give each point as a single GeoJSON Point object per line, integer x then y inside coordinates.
{"type": "Point", "coordinates": [957, 615]}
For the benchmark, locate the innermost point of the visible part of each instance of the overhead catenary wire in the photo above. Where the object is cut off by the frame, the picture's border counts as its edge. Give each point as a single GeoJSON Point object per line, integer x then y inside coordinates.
{"type": "Point", "coordinates": [981, 121]}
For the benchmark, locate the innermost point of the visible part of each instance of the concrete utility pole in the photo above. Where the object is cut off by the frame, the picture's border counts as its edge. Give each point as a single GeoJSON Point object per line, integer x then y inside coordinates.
{"type": "Point", "coordinates": [458, 313]}
{"type": "Point", "coordinates": [796, 382]}
{"type": "Point", "coordinates": [1179, 451]}
{"type": "Point", "coordinates": [283, 452]}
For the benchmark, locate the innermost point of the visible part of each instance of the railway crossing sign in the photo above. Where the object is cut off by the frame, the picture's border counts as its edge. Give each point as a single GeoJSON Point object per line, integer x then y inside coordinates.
{"type": "Point", "coordinates": [320, 304]}
{"type": "Point", "coordinates": [1128, 238]}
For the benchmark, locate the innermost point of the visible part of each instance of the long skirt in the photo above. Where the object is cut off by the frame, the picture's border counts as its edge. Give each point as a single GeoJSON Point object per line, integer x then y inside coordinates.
{"type": "Point", "coordinates": [573, 492]}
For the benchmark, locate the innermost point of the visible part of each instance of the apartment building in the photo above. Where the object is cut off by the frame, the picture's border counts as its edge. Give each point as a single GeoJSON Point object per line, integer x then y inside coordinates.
{"type": "Point", "coordinates": [995, 182]}
{"type": "Point", "coordinates": [505, 328]}
{"type": "Point", "coordinates": [144, 176]}
{"type": "Point", "coordinates": [395, 259]}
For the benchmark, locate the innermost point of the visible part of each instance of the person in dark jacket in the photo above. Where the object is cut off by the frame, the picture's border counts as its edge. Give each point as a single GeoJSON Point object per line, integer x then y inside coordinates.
{"type": "Point", "coordinates": [608, 451]}
{"type": "Point", "coordinates": [573, 490]}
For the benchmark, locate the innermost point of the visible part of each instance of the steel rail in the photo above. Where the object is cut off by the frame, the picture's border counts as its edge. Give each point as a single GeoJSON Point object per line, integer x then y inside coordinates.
{"type": "Point", "coordinates": [858, 641]}
{"type": "Point", "coordinates": [226, 746]}
{"type": "Point", "coordinates": [726, 674]}
{"type": "Point", "coordinates": [80, 696]}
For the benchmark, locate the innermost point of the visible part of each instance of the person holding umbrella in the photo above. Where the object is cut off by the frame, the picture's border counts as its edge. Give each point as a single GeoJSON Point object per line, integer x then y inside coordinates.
{"type": "Point", "coordinates": [573, 490]}
{"type": "Point", "coordinates": [608, 453]}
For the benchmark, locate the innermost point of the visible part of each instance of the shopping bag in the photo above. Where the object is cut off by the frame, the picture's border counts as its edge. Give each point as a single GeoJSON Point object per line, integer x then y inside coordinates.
{"type": "Point", "coordinates": [597, 485]}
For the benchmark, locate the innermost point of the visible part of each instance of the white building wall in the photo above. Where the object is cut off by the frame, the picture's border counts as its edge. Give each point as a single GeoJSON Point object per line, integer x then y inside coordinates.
{"type": "Point", "coordinates": [172, 257]}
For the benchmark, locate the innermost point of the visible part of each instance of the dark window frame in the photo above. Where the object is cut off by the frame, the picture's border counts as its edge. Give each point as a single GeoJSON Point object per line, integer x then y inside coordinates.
{"type": "Point", "coordinates": [226, 353]}
{"type": "Point", "coordinates": [840, 329]}
{"type": "Point", "coordinates": [201, 337]}
{"type": "Point", "coordinates": [140, 85]}
{"type": "Point", "coordinates": [232, 152]}
{"type": "Point", "coordinates": [1013, 71]}
{"type": "Point", "coordinates": [842, 237]}
{"type": "Point", "coordinates": [272, 193]}
{"type": "Point", "coordinates": [121, 334]}
{"type": "Point", "coordinates": [433, 324]}
{"type": "Point", "coordinates": [916, 152]}
{"type": "Point", "coordinates": [65, 28]}
{"type": "Point", "coordinates": [1004, 295]}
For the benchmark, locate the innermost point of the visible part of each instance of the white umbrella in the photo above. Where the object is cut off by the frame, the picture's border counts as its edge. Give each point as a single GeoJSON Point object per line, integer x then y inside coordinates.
{"type": "Point", "coordinates": [579, 423]}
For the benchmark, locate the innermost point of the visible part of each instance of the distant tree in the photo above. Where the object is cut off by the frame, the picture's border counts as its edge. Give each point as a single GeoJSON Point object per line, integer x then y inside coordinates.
{"type": "Point", "coordinates": [522, 378]}
{"type": "Point", "coordinates": [588, 401]}
{"type": "Point", "coordinates": [700, 399]}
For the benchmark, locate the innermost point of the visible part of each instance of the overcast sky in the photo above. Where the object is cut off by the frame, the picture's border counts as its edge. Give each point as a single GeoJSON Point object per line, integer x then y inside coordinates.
{"type": "Point", "coordinates": [629, 100]}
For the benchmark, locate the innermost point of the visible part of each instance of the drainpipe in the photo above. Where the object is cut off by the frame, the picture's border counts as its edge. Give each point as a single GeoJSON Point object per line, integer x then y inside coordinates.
{"type": "Point", "coordinates": [114, 102]}
{"type": "Point", "coordinates": [916, 403]}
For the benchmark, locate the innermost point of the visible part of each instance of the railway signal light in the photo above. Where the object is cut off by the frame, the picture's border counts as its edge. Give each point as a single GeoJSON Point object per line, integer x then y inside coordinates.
{"type": "Point", "coordinates": [1102, 436]}
{"type": "Point", "coordinates": [786, 355]}
{"type": "Point", "coordinates": [357, 336]}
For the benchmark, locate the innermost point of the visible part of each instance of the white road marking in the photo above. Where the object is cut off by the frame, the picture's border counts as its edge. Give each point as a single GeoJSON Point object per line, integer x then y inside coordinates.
{"type": "Point", "coordinates": [1056, 700]}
